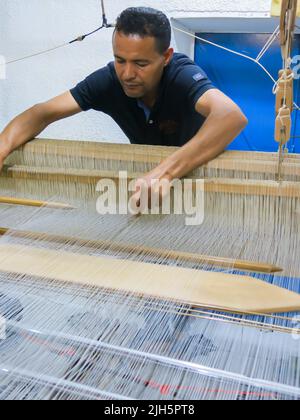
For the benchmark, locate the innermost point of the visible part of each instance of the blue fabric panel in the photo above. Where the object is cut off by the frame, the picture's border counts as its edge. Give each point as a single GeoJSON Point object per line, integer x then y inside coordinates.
{"type": "Point", "coordinates": [247, 84]}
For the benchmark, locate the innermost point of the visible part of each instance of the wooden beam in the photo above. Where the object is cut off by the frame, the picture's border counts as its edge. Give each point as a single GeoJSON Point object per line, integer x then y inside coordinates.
{"type": "Point", "coordinates": [187, 286]}
{"type": "Point", "coordinates": [253, 187]}
{"type": "Point", "coordinates": [47, 150]}
{"type": "Point", "coordinates": [214, 185]}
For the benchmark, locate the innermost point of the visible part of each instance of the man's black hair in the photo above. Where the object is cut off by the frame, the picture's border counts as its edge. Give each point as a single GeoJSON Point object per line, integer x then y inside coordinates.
{"type": "Point", "coordinates": [145, 21]}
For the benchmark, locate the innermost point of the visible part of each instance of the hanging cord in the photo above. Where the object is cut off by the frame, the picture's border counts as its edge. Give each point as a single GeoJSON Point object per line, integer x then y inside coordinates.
{"type": "Point", "coordinates": [105, 24]}
{"type": "Point", "coordinates": [268, 44]}
{"type": "Point", "coordinates": [80, 38]}
{"type": "Point", "coordinates": [34, 55]}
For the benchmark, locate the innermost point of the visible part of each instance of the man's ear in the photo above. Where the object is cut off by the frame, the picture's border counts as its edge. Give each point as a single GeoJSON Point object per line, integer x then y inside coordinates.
{"type": "Point", "coordinates": [168, 55]}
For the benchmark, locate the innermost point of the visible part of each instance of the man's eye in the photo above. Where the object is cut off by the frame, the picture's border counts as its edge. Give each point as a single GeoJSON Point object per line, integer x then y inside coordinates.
{"type": "Point", "coordinates": [142, 64]}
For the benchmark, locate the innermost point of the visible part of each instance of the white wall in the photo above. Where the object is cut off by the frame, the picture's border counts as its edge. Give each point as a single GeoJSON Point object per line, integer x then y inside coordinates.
{"type": "Point", "coordinates": [28, 26]}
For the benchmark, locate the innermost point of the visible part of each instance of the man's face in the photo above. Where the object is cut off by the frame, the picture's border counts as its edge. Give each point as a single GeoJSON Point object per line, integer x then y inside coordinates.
{"type": "Point", "coordinates": [139, 66]}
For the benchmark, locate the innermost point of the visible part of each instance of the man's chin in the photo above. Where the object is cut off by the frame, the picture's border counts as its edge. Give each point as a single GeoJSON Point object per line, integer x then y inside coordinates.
{"type": "Point", "coordinates": [133, 95]}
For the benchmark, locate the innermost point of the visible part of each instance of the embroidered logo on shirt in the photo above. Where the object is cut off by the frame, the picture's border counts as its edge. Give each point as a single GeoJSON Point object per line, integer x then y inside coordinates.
{"type": "Point", "coordinates": [169, 127]}
{"type": "Point", "coordinates": [198, 76]}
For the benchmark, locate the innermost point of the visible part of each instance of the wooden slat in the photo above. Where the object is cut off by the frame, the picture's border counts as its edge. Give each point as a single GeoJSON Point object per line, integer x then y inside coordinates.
{"type": "Point", "coordinates": [253, 187]}
{"type": "Point", "coordinates": [216, 185]}
{"type": "Point", "coordinates": [290, 168]}
{"type": "Point", "coordinates": [156, 252]}
{"type": "Point", "coordinates": [203, 288]}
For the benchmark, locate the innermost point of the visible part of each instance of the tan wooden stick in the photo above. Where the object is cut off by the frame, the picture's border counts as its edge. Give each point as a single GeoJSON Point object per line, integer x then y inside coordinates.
{"type": "Point", "coordinates": [202, 288]}
{"type": "Point", "coordinates": [253, 187]}
{"type": "Point", "coordinates": [157, 252]}
{"type": "Point", "coordinates": [34, 203]}
{"type": "Point", "coordinates": [215, 185]}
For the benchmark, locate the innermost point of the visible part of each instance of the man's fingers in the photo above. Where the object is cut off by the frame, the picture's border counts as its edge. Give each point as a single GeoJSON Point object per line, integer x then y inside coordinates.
{"type": "Point", "coordinates": [134, 203]}
{"type": "Point", "coordinates": [149, 194]}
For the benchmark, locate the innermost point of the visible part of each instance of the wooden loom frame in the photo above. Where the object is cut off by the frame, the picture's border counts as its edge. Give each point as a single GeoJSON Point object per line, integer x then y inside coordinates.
{"type": "Point", "coordinates": [261, 163]}
{"type": "Point", "coordinates": [228, 161]}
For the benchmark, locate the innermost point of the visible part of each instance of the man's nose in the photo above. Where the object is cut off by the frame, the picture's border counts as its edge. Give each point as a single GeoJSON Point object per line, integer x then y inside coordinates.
{"type": "Point", "coordinates": [129, 72]}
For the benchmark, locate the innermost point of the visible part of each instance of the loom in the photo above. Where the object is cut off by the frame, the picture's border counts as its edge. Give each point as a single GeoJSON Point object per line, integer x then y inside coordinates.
{"type": "Point", "coordinates": [111, 306]}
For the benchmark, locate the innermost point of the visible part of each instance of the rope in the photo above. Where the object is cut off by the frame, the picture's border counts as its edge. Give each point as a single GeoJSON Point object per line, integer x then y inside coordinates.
{"type": "Point", "coordinates": [34, 54]}
{"type": "Point", "coordinates": [268, 43]}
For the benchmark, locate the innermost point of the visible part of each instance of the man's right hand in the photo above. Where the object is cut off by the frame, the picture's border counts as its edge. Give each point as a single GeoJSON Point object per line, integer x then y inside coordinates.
{"type": "Point", "coordinates": [3, 153]}
{"type": "Point", "coordinates": [32, 122]}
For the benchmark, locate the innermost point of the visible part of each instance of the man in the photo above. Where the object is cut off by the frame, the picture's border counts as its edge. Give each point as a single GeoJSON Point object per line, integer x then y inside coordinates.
{"type": "Point", "coordinates": [156, 96]}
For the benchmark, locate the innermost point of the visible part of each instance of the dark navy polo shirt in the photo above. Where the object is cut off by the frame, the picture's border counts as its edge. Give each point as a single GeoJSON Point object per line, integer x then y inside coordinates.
{"type": "Point", "coordinates": [172, 121]}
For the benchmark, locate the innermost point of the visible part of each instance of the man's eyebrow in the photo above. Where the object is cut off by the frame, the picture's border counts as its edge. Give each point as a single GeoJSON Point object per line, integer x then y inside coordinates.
{"type": "Point", "coordinates": [138, 60]}
{"type": "Point", "coordinates": [141, 60]}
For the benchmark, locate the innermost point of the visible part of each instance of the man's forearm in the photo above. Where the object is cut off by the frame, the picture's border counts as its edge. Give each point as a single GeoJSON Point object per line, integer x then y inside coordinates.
{"type": "Point", "coordinates": [21, 129]}
{"type": "Point", "coordinates": [215, 135]}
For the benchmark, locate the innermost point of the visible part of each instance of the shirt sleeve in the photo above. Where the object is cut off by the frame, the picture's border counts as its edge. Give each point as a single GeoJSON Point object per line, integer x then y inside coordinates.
{"type": "Point", "coordinates": [192, 82]}
{"type": "Point", "coordinates": [95, 92]}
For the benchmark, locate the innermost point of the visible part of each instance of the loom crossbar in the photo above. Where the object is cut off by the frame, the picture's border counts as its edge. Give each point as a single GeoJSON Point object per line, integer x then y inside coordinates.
{"type": "Point", "coordinates": [214, 185]}
{"type": "Point", "coordinates": [168, 254]}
